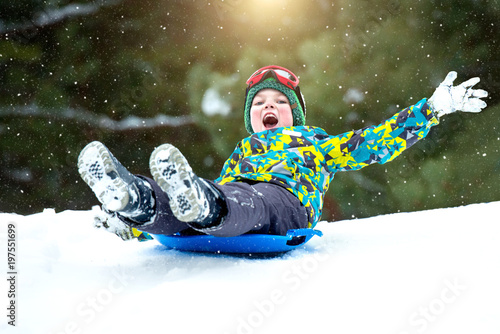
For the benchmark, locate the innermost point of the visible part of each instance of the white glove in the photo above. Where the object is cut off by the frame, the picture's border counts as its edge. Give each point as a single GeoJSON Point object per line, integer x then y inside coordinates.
{"type": "Point", "coordinates": [111, 223]}
{"type": "Point", "coordinates": [447, 98]}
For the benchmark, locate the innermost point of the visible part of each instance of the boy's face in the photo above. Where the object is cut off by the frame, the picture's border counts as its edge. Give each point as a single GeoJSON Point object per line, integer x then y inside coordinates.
{"type": "Point", "coordinates": [270, 109]}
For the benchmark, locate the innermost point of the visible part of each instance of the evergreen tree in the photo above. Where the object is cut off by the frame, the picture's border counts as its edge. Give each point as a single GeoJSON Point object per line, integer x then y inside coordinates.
{"type": "Point", "coordinates": [135, 74]}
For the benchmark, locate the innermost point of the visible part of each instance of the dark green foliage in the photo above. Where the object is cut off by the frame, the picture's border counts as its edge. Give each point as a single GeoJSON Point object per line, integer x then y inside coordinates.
{"type": "Point", "coordinates": [71, 79]}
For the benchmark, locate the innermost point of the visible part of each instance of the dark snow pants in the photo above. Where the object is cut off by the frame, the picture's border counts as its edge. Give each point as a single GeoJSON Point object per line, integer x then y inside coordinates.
{"type": "Point", "coordinates": [259, 207]}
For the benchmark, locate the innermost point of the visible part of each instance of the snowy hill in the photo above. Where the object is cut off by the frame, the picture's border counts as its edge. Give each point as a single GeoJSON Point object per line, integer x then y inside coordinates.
{"type": "Point", "coordinates": [427, 272]}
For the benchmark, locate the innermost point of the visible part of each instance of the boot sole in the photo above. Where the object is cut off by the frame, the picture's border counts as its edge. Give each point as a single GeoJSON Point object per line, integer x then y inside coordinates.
{"type": "Point", "coordinates": [173, 174]}
{"type": "Point", "coordinates": [97, 169]}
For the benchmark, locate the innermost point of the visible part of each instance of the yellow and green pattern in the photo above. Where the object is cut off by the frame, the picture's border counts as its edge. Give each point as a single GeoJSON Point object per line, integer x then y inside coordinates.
{"type": "Point", "coordinates": [304, 159]}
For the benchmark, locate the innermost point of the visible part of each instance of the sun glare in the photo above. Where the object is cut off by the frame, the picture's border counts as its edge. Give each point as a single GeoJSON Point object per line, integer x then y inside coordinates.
{"type": "Point", "coordinates": [276, 12]}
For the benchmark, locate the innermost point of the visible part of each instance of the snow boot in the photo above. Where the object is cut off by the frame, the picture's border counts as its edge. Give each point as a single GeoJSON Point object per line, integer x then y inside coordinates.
{"type": "Point", "coordinates": [192, 199]}
{"type": "Point", "coordinates": [115, 187]}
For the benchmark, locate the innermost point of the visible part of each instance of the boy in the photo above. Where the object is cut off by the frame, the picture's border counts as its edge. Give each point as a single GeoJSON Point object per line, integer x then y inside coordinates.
{"type": "Point", "coordinates": [274, 180]}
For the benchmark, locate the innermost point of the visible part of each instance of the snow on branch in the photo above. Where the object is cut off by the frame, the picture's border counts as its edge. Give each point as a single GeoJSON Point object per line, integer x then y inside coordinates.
{"type": "Point", "coordinates": [45, 16]}
{"type": "Point", "coordinates": [98, 121]}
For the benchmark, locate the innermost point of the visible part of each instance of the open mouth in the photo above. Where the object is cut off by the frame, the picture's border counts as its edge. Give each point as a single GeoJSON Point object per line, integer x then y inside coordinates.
{"type": "Point", "coordinates": [270, 121]}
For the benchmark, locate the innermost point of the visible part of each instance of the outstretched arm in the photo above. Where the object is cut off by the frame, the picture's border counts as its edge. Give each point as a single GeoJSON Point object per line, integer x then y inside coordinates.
{"type": "Point", "coordinates": [448, 98]}
{"type": "Point", "coordinates": [357, 149]}
{"type": "Point", "coordinates": [381, 143]}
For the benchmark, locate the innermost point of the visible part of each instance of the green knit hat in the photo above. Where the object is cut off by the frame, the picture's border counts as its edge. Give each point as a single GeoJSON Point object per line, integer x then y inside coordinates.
{"type": "Point", "coordinates": [299, 115]}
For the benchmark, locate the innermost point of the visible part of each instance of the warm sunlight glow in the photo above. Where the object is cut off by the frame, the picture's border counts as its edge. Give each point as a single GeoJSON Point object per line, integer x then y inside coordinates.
{"type": "Point", "coordinates": [263, 14]}
{"type": "Point", "coordinates": [276, 12]}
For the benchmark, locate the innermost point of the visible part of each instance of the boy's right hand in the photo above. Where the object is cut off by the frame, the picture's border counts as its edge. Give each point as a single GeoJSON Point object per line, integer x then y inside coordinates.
{"type": "Point", "coordinates": [448, 98]}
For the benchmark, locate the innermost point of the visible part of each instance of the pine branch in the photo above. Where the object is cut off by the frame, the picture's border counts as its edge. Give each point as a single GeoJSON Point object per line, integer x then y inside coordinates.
{"type": "Point", "coordinates": [96, 120]}
{"type": "Point", "coordinates": [47, 17]}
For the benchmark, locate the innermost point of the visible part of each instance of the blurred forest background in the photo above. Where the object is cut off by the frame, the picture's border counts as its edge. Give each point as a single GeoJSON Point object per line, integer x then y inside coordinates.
{"type": "Point", "coordinates": [136, 74]}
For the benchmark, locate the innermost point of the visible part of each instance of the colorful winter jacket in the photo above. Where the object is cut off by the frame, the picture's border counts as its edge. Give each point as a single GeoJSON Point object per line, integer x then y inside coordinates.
{"type": "Point", "coordinates": [304, 159]}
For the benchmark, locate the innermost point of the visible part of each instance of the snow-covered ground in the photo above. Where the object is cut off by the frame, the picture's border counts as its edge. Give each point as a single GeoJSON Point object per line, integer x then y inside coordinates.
{"type": "Point", "coordinates": [427, 272]}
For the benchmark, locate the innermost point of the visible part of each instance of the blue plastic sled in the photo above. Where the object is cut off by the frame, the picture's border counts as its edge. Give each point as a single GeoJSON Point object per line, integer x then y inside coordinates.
{"type": "Point", "coordinates": [243, 244]}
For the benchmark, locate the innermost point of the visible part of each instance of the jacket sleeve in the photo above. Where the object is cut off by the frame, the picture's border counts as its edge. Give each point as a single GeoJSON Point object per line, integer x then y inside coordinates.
{"type": "Point", "coordinates": [379, 144]}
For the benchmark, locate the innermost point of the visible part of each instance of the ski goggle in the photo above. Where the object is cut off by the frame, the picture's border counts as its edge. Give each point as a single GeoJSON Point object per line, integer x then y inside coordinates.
{"type": "Point", "coordinates": [281, 74]}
